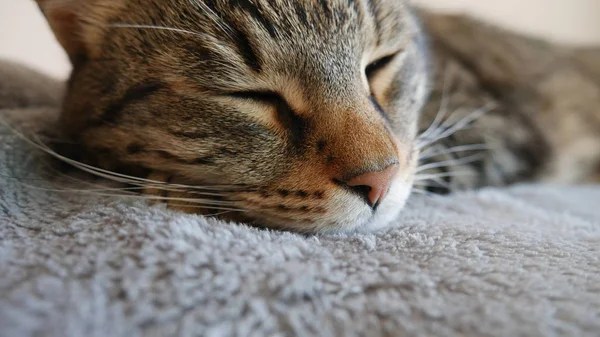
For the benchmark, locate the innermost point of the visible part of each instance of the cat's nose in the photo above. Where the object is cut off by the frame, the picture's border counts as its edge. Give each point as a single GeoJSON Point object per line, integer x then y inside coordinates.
{"type": "Point", "coordinates": [374, 185]}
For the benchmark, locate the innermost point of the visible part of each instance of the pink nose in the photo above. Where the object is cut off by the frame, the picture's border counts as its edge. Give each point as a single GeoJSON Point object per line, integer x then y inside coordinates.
{"type": "Point", "coordinates": [374, 184]}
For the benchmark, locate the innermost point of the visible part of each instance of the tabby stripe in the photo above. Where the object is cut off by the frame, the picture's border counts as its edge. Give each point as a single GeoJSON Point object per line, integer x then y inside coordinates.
{"type": "Point", "coordinates": [373, 10]}
{"type": "Point", "coordinates": [326, 9]}
{"type": "Point", "coordinates": [296, 125]}
{"type": "Point", "coordinates": [301, 14]}
{"type": "Point", "coordinates": [354, 5]}
{"type": "Point", "coordinates": [241, 40]}
{"type": "Point", "coordinates": [137, 148]}
{"type": "Point", "coordinates": [133, 94]}
{"type": "Point", "coordinates": [255, 12]}
{"type": "Point", "coordinates": [134, 148]}
{"type": "Point", "coordinates": [169, 156]}
{"type": "Point", "coordinates": [246, 49]}
{"type": "Point", "coordinates": [358, 8]}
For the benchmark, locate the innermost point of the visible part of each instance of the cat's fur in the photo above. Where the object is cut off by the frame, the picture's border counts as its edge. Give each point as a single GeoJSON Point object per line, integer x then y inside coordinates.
{"type": "Point", "coordinates": [546, 122]}
{"type": "Point", "coordinates": [191, 101]}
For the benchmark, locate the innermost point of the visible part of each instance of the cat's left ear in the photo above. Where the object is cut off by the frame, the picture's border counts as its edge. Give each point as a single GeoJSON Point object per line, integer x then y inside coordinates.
{"type": "Point", "coordinates": [64, 17]}
{"type": "Point", "coordinates": [76, 23]}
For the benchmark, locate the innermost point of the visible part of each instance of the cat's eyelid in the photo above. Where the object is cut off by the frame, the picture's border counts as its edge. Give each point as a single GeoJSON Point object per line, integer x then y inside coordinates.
{"type": "Point", "coordinates": [267, 96]}
{"type": "Point", "coordinates": [381, 62]}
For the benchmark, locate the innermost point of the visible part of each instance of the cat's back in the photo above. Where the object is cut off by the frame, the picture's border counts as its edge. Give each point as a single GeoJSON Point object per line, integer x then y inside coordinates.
{"type": "Point", "coordinates": [23, 87]}
{"type": "Point", "coordinates": [552, 91]}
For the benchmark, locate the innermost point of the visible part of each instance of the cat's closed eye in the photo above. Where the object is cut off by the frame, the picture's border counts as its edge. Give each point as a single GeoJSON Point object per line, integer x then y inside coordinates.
{"type": "Point", "coordinates": [372, 72]}
{"type": "Point", "coordinates": [285, 114]}
{"type": "Point", "coordinates": [267, 97]}
{"type": "Point", "coordinates": [376, 66]}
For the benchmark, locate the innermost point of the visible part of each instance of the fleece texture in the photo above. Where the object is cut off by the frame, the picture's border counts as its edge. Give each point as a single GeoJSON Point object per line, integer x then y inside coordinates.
{"type": "Point", "coordinates": [523, 261]}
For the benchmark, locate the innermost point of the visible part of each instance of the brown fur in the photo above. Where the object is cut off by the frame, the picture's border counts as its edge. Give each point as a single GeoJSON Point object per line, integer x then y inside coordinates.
{"type": "Point", "coordinates": [196, 103]}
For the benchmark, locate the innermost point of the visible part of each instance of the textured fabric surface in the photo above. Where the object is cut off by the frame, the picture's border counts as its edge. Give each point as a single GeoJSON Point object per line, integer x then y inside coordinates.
{"type": "Point", "coordinates": [523, 261]}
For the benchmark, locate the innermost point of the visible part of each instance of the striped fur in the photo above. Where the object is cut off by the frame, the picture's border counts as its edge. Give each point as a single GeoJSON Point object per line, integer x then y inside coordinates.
{"type": "Point", "coordinates": [283, 99]}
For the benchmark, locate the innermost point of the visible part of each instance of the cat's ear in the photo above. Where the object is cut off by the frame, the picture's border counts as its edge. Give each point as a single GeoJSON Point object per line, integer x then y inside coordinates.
{"type": "Point", "coordinates": [65, 19]}
{"type": "Point", "coordinates": [79, 24]}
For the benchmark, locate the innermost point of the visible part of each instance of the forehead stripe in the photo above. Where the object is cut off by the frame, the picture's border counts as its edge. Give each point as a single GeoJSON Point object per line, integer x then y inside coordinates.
{"type": "Point", "coordinates": [246, 49]}
{"type": "Point", "coordinates": [374, 11]}
{"type": "Point", "coordinates": [258, 15]}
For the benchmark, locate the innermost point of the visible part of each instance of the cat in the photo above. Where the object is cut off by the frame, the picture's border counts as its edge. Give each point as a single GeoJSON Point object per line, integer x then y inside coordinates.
{"type": "Point", "coordinates": [317, 116]}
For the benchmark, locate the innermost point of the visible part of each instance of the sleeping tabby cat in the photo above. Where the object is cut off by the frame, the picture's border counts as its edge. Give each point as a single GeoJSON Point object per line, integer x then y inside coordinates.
{"type": "Point", "coordinates": [318, 116]}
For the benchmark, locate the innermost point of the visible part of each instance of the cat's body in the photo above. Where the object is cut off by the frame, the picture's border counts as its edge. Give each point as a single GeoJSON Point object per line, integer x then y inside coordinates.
{"type": "Point", "coordinates": [304, 115]}
{"type": "Point", "coordinates": [546, 122]}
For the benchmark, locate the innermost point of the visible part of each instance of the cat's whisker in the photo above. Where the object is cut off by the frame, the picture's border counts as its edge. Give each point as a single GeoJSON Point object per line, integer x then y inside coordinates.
{"type": "Point", "coordinates": [51, 173]}
{"type": "Point", "coordinates": [224, 210]}
{"type": "Point", "coordinates": [85, 167]}
{"type": "Point", "coordinates": [449, 124]}
{"type": "Point", "coordinates": [431, 182]}
{"type": "Point", "coordinates": [73, 179]}
{"type": "Point", "coordinates": [419, 184]}
{"type": "Point", "coordinates": [424, 141]}
{"type": "Point", "coordinates": [452, 162]}
{"type": "Point", "coordinates": [118, 177]}
{"type": "Point", "coordinates": [215, 214]}
{"type": "Point", "coordinates": [11, 177]}
{"type": "Point", "coordinates": [214, 17]}
{"type": "Point", "coordinates": [114, 176]}
{"type": "Point", "coordinates": [430, 151]}
{"type": "Point", "coordinates": [132, 191]}
{"type": "Point", "coordinates": [206, 202]}
{"type": "Point", "coordinates": [443, 110]}
{"type": "Point", "coordinates": [440, 182]}
{"type": "Point", "coordinates": [453, 117]}
{"type": "Point", "coordinates": [423, 192]}
{"type": "Point", "coordinates": [462, 123]}
{"type": "Point", "coordinates": [434, 182]}
{"type": "Point", "coordinates": [218, 213]}
{"type": "Point", "coordinates": [58, 140]}
{"type": "Point", "coordinates": [138, 188]}
{"type": "Point", "coordinates": [162, 28]}
{"type": "Point", "coordinates": [422, 177]}
{"type": "Point", "coordinates": [456, 149]}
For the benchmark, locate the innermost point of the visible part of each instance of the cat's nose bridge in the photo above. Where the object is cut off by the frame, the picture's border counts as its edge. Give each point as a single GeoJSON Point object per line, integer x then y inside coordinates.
{"type": "Point", "coordinates": [356, 143]}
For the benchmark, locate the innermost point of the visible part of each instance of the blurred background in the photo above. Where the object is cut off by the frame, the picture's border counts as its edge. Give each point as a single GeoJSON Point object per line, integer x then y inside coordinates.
{"type": "Point", "coordinates": [25, 36]}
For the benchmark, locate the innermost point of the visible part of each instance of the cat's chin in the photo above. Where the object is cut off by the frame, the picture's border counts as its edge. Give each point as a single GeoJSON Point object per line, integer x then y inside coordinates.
{"type": "Point", "coordinates": [389, 209]}
{"type": "Point", "coordinates": [385, 215]}
{"type": "Point", "coordinates": [346, 214]}
{"type": "Point", "coordinates": [356, 217]}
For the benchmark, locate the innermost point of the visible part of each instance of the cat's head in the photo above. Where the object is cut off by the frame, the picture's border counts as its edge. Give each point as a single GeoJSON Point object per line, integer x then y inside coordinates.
{"type": "Point", "coordinates": [311, 105]}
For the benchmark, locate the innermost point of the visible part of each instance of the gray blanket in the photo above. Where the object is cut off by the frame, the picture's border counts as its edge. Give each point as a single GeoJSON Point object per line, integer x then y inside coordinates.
{"type": "Point", "coordinates": [523, 261]}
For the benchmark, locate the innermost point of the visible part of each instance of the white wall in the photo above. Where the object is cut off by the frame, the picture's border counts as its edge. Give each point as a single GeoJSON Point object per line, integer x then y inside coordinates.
{"type": "Point", "coordinates": [565, 21]}
{"type": "Point", "coordinates": [24, 34]}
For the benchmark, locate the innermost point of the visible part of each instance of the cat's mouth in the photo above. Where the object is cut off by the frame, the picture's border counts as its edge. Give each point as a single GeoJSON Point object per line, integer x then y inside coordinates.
{"type": "Point", "coordinates": [329, 212]}
{"type": "Point", "coordinates": [329, 209]}
{"type": "Point", "coordinates": [304, 201]}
